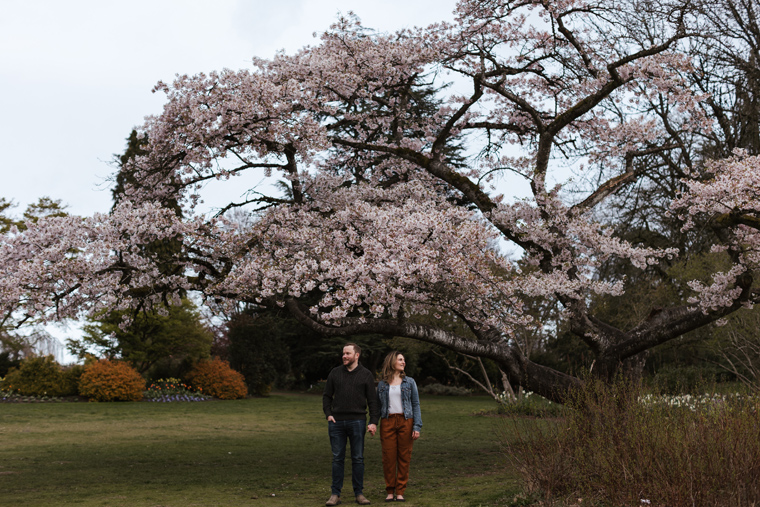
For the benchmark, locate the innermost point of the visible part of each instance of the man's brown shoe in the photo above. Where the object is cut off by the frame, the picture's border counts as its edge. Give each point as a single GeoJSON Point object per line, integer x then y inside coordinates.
{"type": "Point", "coordinates": [333, 500]}
{"type": "Point", "coordinates": [361, 499]}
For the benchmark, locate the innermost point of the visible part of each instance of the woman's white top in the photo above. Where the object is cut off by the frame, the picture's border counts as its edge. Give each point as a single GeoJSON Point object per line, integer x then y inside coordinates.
{"type": "Point", "coordinates": [394, 400]}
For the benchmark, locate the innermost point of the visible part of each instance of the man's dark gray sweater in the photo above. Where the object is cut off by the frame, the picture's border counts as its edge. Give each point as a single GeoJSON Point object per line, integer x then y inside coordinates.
{"type": "Point", "coordinates": [348, 394]}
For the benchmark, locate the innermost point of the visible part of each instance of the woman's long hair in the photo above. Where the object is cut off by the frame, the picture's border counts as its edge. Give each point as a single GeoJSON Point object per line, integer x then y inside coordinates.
{"type": "Point", "coordinates": [386, 373]}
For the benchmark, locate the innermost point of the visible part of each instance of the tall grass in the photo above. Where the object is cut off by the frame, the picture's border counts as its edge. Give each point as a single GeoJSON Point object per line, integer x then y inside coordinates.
{"type": "Point", "coordinates": [614, 449]}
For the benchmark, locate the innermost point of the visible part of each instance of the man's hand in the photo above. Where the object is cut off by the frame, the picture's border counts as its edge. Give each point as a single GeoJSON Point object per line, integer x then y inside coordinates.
{"type": "Point", "coordinates": [415, 435]}
{"type": "Point", "coordinates": [331, 419]}
{"type": "Point", "coordinates": [372, 428]}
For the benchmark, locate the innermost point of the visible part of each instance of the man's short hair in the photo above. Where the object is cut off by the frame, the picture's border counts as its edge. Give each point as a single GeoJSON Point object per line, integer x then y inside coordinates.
{"type": "Point", "coordinates": [357, 349]}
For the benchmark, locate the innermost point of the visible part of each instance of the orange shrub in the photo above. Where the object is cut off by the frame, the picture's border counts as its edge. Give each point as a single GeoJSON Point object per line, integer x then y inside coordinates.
{"type": "Point", "coordinates": [111, 381]}
{"type": "Point", "coordinates": [216, 378]}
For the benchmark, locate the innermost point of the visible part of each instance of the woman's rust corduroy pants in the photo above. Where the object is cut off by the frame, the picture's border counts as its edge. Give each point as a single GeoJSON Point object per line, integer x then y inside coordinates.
{"type": "Point", "coordinates": [396, 441]}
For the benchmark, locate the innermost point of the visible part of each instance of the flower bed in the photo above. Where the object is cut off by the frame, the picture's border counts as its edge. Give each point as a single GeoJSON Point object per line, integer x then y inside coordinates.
{"type": "Point", "coordinates": [172, 389]}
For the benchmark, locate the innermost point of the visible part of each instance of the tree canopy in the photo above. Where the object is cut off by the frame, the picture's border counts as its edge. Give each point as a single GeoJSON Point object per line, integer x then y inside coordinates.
{"type": "Point", "coordinates": [155, 337]}
{"type": "Point", "coordinates": [392, 146]}
{"type": "Point", "coordinates": [14, 341]}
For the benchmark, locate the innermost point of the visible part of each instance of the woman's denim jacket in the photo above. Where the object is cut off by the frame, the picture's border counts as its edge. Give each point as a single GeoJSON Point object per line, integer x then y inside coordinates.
{"type": "Point", "coordinates": [410, 399]}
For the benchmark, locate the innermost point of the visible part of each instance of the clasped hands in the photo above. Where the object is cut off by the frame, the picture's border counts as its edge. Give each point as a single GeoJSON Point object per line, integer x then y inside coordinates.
{"type": "Point", "coordinates": [371, 429]}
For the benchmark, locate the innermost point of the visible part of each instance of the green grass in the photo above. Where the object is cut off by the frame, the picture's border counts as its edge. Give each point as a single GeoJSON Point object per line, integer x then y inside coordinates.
{"type": "Point", "coordinates": [268, 451]}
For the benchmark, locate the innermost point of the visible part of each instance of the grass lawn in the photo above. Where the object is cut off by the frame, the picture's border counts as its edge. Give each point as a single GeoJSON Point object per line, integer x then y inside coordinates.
{"type": "Point", "coordinates": [260, 452]}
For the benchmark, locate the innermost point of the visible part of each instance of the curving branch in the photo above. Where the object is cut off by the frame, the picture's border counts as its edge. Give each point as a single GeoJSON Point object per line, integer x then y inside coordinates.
{"type": "Point", "coordinates": [540, 379]}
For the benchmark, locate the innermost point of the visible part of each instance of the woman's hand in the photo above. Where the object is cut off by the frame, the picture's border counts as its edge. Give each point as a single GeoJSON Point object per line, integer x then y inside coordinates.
{"type": "Point", "coordinates": [415, 435]}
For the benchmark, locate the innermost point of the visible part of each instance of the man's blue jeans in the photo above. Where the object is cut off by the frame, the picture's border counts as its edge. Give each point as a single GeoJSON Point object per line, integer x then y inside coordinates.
{"type": "Point", "coordinates": [341, 432]}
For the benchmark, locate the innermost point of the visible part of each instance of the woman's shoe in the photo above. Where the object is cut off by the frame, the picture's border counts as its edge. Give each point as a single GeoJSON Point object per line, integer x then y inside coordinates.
{"type": "Point", "coordinates": [400, 499]}
{"type": "Point", "coordinates": [390, 499]}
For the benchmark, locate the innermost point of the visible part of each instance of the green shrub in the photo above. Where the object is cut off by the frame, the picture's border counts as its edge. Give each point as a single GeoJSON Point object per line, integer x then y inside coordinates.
{"type": "Point", "coordinates": [216, 378]}
{"type": "Point", "coordinates": [71, 376]}
{"type": "Point", "coordinates": [38, 376]}
{"type": "Point", "coordinates": [686, 379]}
{"type": "Point", "coordinates": [106, 380]}
{"type": "Point", "coordinates": [317, 387]}
{"type": "Point", "coordinates": [616, 447]}
{"type": "Point", "coordinates": [442, 390]}
{"type": "Point", "coordinates": [530, 405]}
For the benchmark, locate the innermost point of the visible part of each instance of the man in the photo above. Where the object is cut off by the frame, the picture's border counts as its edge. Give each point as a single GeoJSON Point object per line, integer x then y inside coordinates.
{"type": "Point", "coordinates": [350, 389]}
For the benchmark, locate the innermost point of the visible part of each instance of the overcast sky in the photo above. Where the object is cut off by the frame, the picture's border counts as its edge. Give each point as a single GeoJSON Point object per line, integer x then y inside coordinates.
{"type": "Point", "coordinates": [76, 76]}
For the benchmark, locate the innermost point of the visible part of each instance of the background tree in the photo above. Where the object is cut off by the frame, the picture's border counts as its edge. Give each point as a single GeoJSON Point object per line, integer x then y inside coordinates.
{"type": "Point", "coordinates": [5, 221]}
{"type": "Point", "coordinates": [43, 208]}
{"type": "Point", "coordinates": [158, 342]}
{"type": "Point", "coordinates": [257, 350]}
{"type": "Point", "coordinates": [738, 346]}
{"type": "Point", "coordinates": [725, 73]}
{"type": "Point", "coordinates": [161, 341]}
{"type": "Point", "coordinates": [272, 348]}
{"type": "Point", "coordinates": [20, 335]}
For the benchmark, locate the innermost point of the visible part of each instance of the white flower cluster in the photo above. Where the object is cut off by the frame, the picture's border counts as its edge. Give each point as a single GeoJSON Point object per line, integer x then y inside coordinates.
{"type": "Point", "coordinates": [506, 398]}
{"type": "Point", "coordinates": [691, 402]}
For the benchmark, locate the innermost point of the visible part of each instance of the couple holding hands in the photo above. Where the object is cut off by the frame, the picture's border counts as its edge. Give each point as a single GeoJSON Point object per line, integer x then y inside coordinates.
{"type": "Point", "coordinates": [349, 390]}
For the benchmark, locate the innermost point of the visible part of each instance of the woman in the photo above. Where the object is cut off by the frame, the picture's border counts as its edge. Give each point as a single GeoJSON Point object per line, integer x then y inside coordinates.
{"type": "Point", "coordinates": [400, 423]}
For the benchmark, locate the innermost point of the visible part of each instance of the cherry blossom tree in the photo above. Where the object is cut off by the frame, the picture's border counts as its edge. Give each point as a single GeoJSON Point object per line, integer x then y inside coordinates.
{"type": "Point", "coordinates": [31, 339]}
{"type": "Point", "coordinates": [394, 149]}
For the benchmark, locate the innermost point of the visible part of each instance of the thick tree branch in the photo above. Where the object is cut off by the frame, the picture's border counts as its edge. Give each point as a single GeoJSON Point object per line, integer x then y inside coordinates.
{"type": "Point", "coordinates": [545, 381]}
{"type": "Point", "coordinates": [612, 185]}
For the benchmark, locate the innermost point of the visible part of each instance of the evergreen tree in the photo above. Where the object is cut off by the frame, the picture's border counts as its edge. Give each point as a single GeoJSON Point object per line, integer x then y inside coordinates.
{"type": "Point", "coordinates": [169, 339]}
